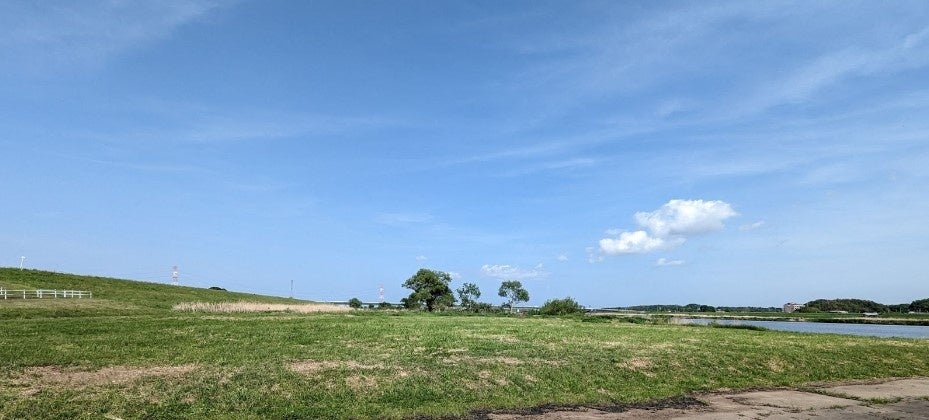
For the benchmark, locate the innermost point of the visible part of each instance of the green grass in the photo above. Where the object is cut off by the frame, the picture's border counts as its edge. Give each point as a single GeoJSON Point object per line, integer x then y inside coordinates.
{"type": "Point", "coordinates": [381, 363]}
{"type": "Point", "coordinates": [111, 296]}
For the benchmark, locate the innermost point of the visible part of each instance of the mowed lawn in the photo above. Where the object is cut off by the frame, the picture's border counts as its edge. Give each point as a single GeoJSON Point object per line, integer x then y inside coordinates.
{"type": "Point", "coordinates": [119, 363]}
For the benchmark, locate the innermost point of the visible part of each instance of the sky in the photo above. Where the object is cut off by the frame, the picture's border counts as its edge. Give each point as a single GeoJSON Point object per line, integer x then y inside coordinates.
{"type": "Point", "coordinates": [618, 152]}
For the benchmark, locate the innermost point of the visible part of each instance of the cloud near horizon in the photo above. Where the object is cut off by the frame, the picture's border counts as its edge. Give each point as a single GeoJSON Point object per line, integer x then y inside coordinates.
{"type": "Point", "coordinates": [510, 272]}
{"type": "Point", "coordinates": [664, 262]}
{"type": "Point", "coordinates": [668, 226]}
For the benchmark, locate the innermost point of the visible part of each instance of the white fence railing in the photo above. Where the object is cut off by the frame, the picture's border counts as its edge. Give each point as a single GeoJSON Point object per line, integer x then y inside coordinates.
{"type": "Point", "coordinates": [45, 294]}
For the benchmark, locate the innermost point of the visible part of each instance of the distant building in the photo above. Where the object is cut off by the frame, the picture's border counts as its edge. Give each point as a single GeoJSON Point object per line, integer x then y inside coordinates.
{"type": "Point", "coordinates": [790, 307]}
{"type": "Point", "coordinates": [870, 314]}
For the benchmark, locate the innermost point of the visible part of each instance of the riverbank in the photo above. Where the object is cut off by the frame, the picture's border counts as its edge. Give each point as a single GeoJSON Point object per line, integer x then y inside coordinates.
{"type": "Point", "coordinates": [839, 318]}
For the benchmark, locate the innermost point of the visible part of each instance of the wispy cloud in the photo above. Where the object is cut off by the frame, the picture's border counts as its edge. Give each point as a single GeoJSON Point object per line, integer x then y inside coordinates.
{"type": "Point", "coordinates": [664, 262]}
{"type": "Point", "coordinates": [752, 226]}
{"type": "Point", "coordinates": [831, 68]}
{"type": "Point", "coordinates": [510, 272]}
{"type": "Point", "coordinates": [232, 128]}
{"type": "Point", "coordinates": [62, 34]}
{"type": "Point", "coordinates": [403, 219]}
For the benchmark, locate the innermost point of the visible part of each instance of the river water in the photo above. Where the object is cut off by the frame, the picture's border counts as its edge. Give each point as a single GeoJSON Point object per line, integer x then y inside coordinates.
{"type": "Point", "coordinates": [870, 330]}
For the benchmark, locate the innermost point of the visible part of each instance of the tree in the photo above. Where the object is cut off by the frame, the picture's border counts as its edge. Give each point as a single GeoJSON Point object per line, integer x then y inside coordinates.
{"type": "Point", "coordinates": [514, 292]}
{"type": "Point", "coordinates": [468, 294]}
{"type": "Point", "coordinates": [429, 288]}
{"type": "Point", "coordinates": [354, 303]}
{"type": "Point", "coordinates": [921, 305]}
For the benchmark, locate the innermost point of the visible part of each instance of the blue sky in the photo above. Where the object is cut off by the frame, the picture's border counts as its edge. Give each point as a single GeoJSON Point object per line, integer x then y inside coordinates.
{"type": "Point", "coordinates": [728, 153]}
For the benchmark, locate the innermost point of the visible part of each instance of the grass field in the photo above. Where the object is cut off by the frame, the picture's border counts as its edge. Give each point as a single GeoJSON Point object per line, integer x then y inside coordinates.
{"type": "Point", "coordinates": [127, 354]}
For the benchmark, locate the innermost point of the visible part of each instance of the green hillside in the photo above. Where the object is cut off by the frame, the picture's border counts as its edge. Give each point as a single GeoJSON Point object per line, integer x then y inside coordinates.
{"type": "Point", "coordinates": [110, 296]}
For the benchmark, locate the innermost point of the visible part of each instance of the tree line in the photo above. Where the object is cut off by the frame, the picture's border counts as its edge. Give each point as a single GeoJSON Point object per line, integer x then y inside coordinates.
{"type": "Point", "coordinates": [862, 306]}
{"type": "Point", "coordinates": [431, 291]}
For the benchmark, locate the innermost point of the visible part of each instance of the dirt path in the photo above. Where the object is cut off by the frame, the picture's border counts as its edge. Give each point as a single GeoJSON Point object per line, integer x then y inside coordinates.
{"type": "Point", "coordinates": [896, 399]}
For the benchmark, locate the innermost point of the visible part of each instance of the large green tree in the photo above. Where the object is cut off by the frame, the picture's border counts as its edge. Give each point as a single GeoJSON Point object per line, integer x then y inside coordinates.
{"type": "Point", "coordinates": [514, 292]}
{"type": "Point", "coordinates": [468, 294]}
{"type": "Point", "coordinates": [430, 288]}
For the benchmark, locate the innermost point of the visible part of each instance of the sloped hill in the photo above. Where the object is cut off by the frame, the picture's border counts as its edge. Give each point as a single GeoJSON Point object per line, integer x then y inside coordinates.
{"type": "Point", "coordinates": [110, 296]}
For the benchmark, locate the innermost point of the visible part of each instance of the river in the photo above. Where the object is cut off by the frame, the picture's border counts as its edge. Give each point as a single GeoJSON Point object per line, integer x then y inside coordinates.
{"type": "Point", "coordinates": [870, 330]}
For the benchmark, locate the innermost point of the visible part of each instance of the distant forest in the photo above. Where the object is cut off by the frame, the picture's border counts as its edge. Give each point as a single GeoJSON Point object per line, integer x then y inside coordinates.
{"type": "Point", "coordinates": [818, 305]}
{"type": "Point", "coordinates": [860, 306]}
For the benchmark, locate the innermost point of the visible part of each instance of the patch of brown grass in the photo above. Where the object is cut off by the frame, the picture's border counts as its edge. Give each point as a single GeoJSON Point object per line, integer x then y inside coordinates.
{"type": "Point", "coordinates": [498, 360]}
{"type": "Point", "coordinates": [310, 367]}
{"type": "Point", "coordinates": [240, 307]}
{"type": "Point", "coordinates": [638, 364]}
{"type": "Point", "coordinates": [45, 376]}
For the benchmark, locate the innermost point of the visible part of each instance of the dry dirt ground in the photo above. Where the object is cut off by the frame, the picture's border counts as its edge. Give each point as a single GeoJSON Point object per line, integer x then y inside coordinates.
{"type": "Point", "coordinates": [895, 399]}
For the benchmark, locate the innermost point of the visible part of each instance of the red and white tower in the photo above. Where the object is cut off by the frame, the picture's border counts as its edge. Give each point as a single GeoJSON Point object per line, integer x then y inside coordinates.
{"type": "Point", "coordinates": [381, 294]}
{"type": "Point", "coordinates": [174, 276]}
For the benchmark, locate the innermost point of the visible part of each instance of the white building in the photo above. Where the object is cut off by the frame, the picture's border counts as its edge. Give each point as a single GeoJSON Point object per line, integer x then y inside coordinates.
{"type": "Point", "coordinates": [790, 307]}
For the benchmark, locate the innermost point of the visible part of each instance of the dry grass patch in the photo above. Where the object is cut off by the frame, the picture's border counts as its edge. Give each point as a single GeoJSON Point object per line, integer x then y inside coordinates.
{"type": "Point", "coordinates": [241, 307]}
{"type": "Point", "coordinates": [499, 360]}
{"type": "Point", "coordinates": [311, 367]}
{"type": "Point", "coordinates": [39, 377]}
{"type": "Point", "coordinates": [638, 364]}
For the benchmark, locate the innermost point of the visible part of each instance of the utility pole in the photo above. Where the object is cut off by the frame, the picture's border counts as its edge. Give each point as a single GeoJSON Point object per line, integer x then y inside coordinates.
{"type": "Point", "coordinates": [21, 261]}
{"type": "Point", "coordinates": [291, 289]}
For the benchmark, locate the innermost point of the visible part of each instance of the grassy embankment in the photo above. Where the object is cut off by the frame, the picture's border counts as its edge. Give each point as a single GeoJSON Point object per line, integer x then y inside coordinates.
{"type": "Point", "coordinates": [126, 356]}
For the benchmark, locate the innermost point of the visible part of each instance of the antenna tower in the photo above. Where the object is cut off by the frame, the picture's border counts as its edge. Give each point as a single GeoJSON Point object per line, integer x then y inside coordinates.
{"type": "Point", "coordinates": [174, 276]}
{"type": "Point", "coordinates": [381, 294]}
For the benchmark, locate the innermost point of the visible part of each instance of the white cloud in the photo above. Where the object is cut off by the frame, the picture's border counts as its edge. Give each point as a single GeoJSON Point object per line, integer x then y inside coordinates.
{"type": "Point", "coordinates": [454, 275]}
{"type": "Point", "coordinates": [664, 262]}
{"type": "Point", "coordinates": [562, 257]}
{"type": "Point", "coordinates": [510, 272]}
{"type": "Point", "coordinates": [752, 226]}
{"type": "Point", "coordinates": [668, 226]}
{"type": "Point", "coordinates": [686, 217]}
{"type": "Point", "coordinates": [421, 258]}
{"type": "Point", "coordinates": [637, 242]}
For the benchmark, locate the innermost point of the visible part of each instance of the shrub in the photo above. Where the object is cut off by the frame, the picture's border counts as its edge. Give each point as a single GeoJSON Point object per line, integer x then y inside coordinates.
{"type": "Point", "coordinates": [354, 303]}
{"type": "Point", "coordinates": [564, 306]}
